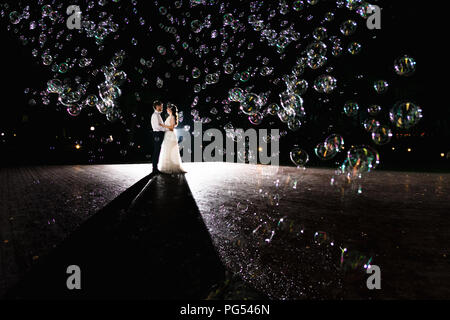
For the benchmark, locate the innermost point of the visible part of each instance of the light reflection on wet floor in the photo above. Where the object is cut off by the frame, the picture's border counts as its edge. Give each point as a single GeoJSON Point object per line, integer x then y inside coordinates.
{"type": "Point", "coordinates": [284, 229]}
{"type": "Point", "coordinates": [399, 220]}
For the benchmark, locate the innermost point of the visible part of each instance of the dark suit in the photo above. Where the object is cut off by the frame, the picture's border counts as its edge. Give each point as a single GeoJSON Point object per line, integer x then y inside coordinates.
{"type": "Point", "coordinates": [158, 137]}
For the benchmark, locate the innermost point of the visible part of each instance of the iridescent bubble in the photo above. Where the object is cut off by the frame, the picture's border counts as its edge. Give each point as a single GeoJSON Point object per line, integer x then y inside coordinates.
{"type": "Point", "coordinates": [370, 124]}
{"type": "Point", "coordinates": [294, 123]}
{"type": "Point", "coordinates": [316, 61]}
{"type": "Point", "coordinates": [74, 110]}
{"type": "Point", "coordinates": [14, 17]}
{"type": "Point", "coordinates": [91, 100]}
{"type": "Point", "coordinates": [351, 108]}
{"type": "Point", "coordinates": [47, 59]}
{"type": "Point", "coordinates": [245, 75]}
{"type": "Point", "coordinates": [102, 107]}
{"type": "Point", "coordinates": [317, 48]}
{"type": "Point", "coordinates": [363, 159]}
{"type": "Point", "coordinates": [196, 72]}
{"type": "Point", "coordinates": [325, 151]}
{"type": "Point", "coordinates": [300, 87]}
{"type": "Point", "coordinates": [236, 95]}
{"type": "Point", "coordinates": [54, 86]}
{"type": "Point", "coordinates": [298, 69]}
{"type": "Point", "coordinates": [228, 68]}
{"type": "Point", "coordinates": [335, 140]}
{"type": "Point", "coordinates": [320, 33]}
{"type": "Point", "coordinates": [161, 50]}
{"type": "Point", "coordinates": [292, 104]}
{"type": "Point", "coordinates": [273, 109]}
{"type": "Point", "coordinates": [299, 157]}
{"type": "Point", "coordinates": [325, 84]}
{"type": "Point", "coordinates": [380, 86]}
{"type": "Point", "coordinates": [251, 104]}
{"type": "Point", "coordinates": [256, 118]}
{"type": "Point", "coordinates": [405, 66]}
{"type": "Point", "coordinates": [228, 19]}
{"type": "Point", "coordinates": [329, 16]}
{"type": "Point", "coordinates": [68, 97]}
{"type": "Point", "coordinates": [196, 26]}
{"type": "Point", "coordinates": [337, 49]}
{"type": "Point", "coordinates": [374, 109]}
{"type": "Point", "coordinates": [63, 67]}
{"type": "Point", "coordinates": [265, 71]}
{"type": "Point", "coordinates": [84, 62]}
{"type": "Point", "coordinates": [381, 135]}
{"type": "Point", "coordinates": [405, 114]}
{"type": "Point", "coordinates": [108, 91]}
{"type": "Point", "coordinates": [348, 27]}
{"type": "Point", "coordinates": [354, 48]}
{"type": "Point", "coordinates": [212, 78]}
{"type": "Point", "coordinates": [298, 5]}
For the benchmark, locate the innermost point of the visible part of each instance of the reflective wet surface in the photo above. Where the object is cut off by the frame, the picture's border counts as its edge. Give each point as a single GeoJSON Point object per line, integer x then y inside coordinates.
{"type": "Point", "coordinates": [288, 233]}
{"type": "Point", "coordinates": [293, 234]}
{"type": "Point", "coordinates": [42, 205]}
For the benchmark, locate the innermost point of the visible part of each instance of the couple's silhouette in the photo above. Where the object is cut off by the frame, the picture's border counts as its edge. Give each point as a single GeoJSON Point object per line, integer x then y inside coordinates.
{"type": "Point", "coordinates": [166, 154]}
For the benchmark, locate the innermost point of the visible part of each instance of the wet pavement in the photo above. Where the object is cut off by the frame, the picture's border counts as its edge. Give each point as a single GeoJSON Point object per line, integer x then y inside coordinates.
{"type": "Point", "coordinates": [285, 229]}
{"type": "Point", "coordinates": [41, 205]}
{"type": "Point", "coordinates": [282, 230]}
{"type": "Point", "coordinates": [150, 242]}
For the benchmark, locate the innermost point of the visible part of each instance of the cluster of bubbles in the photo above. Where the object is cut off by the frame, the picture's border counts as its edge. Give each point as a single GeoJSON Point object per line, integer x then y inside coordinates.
{"type": "Point", "coordinates": [207, 45]}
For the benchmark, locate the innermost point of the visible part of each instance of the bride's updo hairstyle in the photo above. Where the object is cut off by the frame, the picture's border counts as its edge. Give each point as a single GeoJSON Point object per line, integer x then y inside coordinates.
{"type": "Point", "coordinates": [174, 112]}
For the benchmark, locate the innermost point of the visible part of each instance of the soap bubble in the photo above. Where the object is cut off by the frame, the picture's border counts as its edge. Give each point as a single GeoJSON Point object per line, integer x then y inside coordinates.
{"type": "Point", "coordinates": [405, 114]}
{"type": "Point", "coordinates": [292, 104]}
{"type": "Point", "coordinates": [15, 17]}
{"type": "Point", "coordinates": [236, 95]}
{"type": "Point", "coordinates": [335, 140]}
{"type": "Point", "coordinates": [325, 151]}
{"type": "Point", "coordinates": [300, 87]}
{"type": "Point", "coordinates": [325, 84]}
{"type": "Point", "coordinates": [363, 159]}
{"type": "Point", "coordinates": [91, 100]}
{"type": "Point", "coordinates": [374, 109]}
{"type": "Point", "coordinates": [74, 110]}
{"type": "Point", "coordinates": [299, 157]}
{"type": "Point", "coordinates": [251, 104]}
{"type": "Point", "coordinates": [196, 26]}
{"type": "Point", "coordinates": [348, 27]}
{"type": "Point", "coordinates": [273, 109]}
{"type": "Point", "coordinates": [354, 48]}
{"type": "Point", "coordinates": [380, 86]}
{"type": "Point", "coordinates": [405, 66]}
{"type": "Point", "coordinates": [196, 72]}
{"type": "Point", "coordinates": [256, 118]}
{"type": "Point", "coordinates": [351, 108]}
{"type": "Point", "coordinates": [320, 33]}
{"type": "Point", "coordinates": [370, 124]}
{"type": "Point", "coordinates": [381, 135]}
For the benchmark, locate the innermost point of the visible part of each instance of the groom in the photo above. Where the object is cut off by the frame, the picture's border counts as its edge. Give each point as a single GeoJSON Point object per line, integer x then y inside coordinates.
{"type": "Point", "coordinates": [158, 134]}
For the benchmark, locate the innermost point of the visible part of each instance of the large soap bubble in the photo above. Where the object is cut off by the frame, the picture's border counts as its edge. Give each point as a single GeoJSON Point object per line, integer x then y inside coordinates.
{"type": "Point", "coordinates": [405, 114]}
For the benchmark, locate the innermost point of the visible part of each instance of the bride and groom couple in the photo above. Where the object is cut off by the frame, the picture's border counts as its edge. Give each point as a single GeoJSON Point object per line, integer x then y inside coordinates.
{"type": "Point", "coordinates": [166, 154]}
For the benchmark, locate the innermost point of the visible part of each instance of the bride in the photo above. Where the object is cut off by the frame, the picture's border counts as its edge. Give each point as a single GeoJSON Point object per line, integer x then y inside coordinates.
{"type": "Point", "coordinates": [169, 159]}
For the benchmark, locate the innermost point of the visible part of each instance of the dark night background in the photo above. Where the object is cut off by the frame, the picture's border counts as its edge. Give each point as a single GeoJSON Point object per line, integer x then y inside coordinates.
{"type": "Point", "coordinates": [46, 134]}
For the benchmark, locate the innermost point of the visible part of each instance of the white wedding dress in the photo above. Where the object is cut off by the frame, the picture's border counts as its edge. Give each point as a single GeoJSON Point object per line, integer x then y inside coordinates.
{"type": "Point", "coordinates": [169, 159]}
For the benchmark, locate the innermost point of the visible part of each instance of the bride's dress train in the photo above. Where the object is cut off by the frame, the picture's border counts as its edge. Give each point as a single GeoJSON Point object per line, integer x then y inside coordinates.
{"type": "Point", "coordinates": [169, 159]}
